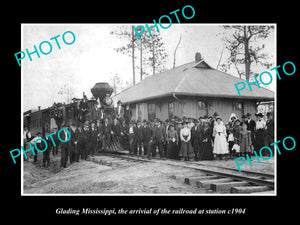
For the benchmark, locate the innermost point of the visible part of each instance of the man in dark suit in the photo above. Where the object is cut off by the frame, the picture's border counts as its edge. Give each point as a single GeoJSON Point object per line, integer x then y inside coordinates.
{"type": "Point", "coordinates": [159, 137]}
{"type": "Point", "coordinates": [269, 129]}
{"type": "Point", "coordinates": [195, 138]}
{"type": "Point", "coordinates": [46, 153]}
{"type": "Point", "coordinates": [116, 133]}
{"type": "Point", "coordinates": [124, 134]}
{"type": "Point", "coordinates": [73, 143]}
{"type": "Point", "coordinates": [80, 143]}
{"type": "Point", "coordinates": [93, 139]}
{"type": "Point", "coordinates": [148, 137]}
{"type": "Point", "coordinates": [139, 138]}
{"type": "Point", "coordinates": [105, 134]}
{"type": "Point", "coordinates": [65, 146]}
{"type": "Point", "coordinates": [95, 113]}
{"type": "Point", "coordinates": [251, 125]}
{"type": "Point", "coordinates": [147, 134]}
{"type": "Point", "coordinates": [127, 114]}
{"type": "Point", "coordinates": [56, 141]}
{"type": "Point", "coordinates": [119, 111]}
{"type": "Point", "coordinates": [86, 141]}
{"type": "Point", "coordinates": [83, 106]}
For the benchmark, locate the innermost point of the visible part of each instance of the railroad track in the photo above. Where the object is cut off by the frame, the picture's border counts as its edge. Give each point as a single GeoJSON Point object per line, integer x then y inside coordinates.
{"type": "Point", "coordinates": [114, 161]}
{"type": "Point", "coordinates": [215, 178]}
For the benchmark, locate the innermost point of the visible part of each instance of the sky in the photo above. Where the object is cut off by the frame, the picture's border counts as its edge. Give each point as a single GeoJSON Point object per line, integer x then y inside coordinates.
{"type": "Point", "coordinates": [92, 58]}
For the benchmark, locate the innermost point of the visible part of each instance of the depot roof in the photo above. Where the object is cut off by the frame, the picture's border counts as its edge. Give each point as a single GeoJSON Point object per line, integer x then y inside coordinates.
{"type": "Point", "coordinates": [192, 79]}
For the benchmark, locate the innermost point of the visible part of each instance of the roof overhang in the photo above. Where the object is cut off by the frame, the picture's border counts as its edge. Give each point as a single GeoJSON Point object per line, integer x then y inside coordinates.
{"type": "Point", "coordinates": [170, 94]}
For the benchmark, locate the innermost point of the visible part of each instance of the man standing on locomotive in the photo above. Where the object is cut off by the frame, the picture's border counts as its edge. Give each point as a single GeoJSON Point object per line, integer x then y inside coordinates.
{"type": "Point", "coordinates": [83, 108]}
{"type": "Point", "coordinates": [127, 114]}
{"type": "Point", "coordinates": [95, 113]}
{"type": "Point", "coordinates": [119, 111]}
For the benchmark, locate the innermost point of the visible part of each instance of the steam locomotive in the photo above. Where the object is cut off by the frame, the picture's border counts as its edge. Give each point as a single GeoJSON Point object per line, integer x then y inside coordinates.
{"type": "Point", "coordinates": [45, 120]}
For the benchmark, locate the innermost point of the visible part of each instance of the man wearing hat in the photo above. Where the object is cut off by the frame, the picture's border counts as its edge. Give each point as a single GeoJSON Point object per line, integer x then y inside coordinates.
{"type": "Point", "coordinates": [86, 141]}
{"type": "Point", "coordinates": [46, 153]}
{"type": "Point", "coordinates": [105, 134]}
{"type": "Point", "coordinates": [127, 114]}
{"type": "Point", "coordinates": [147, 134]}
{"type": "Point", "coordinates": [65, 146]}
{"type": "Point", "coordinates": [251, 125]}
{"type": "Point", "coordinates": [116, 132]}
{"type": "Point", "coordinates": [195, 138]}
{"type": "Point", "coordinates": [159, 137]}
{"type": "Point", "coordinates": [74, 106]}
{"type": "Point", "coordinates": [269, 129]}
{"type": "Point", "coordinates": [93, 139]}
{"type": "Point", "coordinates": [73, 143]}
{"type": "Point", "coordinates": [119, 110]}
{"type": "Point", "coordinates": [83, 106]}
{"type": "Point", "coordinates": [131, 137]}
{"type": "Point", "coordinates": [95, 113]}
{"type": "Point", "coordinates": [124, 134]}
{"type": "Point", "coordinates": [80, 143]}
{"type": "Point", "coordinates": [139, 138]}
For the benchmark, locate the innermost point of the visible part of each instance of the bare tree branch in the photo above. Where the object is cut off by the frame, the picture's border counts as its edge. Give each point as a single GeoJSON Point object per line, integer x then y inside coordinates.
{"type": "Point", "coordinates": [220, 58]}
{"type": "Point", "coordinates": [175, 51]}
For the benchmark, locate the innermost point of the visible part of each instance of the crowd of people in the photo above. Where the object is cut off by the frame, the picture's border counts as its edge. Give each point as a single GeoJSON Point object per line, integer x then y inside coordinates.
{"type": "Point", "coordinates": [205, 138]}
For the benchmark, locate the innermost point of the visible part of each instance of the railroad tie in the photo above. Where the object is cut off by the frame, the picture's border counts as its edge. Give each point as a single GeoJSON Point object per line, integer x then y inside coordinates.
{"type": "Point", "coordinates": [263, 193]}
{"type": "Point", "coordinates": [225, 187]}
{"type": "Point", "coordinates": [249, 189]}
{"type": "Point", "coordinates": [207, 183]}
{"type": "Point", "coordinates": [193, 180]}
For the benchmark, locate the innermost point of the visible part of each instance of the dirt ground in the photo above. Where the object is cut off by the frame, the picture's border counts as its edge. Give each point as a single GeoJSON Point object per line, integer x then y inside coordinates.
{"type": "Point", "coordinates": [87, 177]}
{"type": "Point", "coordinates": [93, 178]}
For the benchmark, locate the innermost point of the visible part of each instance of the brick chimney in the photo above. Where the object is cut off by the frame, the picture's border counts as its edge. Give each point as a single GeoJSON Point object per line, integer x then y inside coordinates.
{"type": "Point", "coordinates": [39, 107]}
{"type": "Point", "coordinates": [198, 57]}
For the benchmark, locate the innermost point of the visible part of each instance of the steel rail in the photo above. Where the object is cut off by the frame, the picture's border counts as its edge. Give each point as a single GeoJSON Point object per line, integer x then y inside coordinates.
{"type": "Point", "coordinates": [255, 180]}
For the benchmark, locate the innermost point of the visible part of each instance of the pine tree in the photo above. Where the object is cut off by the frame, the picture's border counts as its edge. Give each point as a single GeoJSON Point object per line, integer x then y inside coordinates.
{"type": "Point", "coordinates": [242, 43]}
{"type": "Point", "coordinates": [156, 55]}
{"type": "Point", "coordinates": [127, 32]}
{"type": "Point", "coordinates": [151, 48]}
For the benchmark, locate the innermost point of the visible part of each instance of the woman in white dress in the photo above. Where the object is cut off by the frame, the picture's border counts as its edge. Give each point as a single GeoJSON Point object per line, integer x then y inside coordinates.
{"type": "Point", "coordinates": [220, 143]}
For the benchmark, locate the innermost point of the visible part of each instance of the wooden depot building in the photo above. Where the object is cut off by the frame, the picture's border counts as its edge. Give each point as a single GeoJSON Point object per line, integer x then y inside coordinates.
{"type": "Point", "coordinates": [192, 90]}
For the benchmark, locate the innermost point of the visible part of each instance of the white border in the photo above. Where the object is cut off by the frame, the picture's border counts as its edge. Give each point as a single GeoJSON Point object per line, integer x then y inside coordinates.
{"type": "Point", "coordinates": [183, 24]}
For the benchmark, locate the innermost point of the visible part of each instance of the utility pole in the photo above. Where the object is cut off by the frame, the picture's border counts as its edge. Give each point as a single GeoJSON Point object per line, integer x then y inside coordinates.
{"type": "Point", "coordinates": [133, 66]}
{"type": "Point", "coordinates": [141, 60]}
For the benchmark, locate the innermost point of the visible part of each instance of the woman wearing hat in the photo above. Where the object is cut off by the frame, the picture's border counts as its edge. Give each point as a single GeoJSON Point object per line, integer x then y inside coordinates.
{"type": "Point", "coordinates": [220, 143]}
{"type": "Point", "coordinates": [260, 133]}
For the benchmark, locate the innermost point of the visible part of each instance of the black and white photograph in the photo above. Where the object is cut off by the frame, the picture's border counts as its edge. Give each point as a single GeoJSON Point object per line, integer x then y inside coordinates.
{"type": "Point", "coordinates": [134, 109]}
{"type": "Point", "coordinates": [123, 110]}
